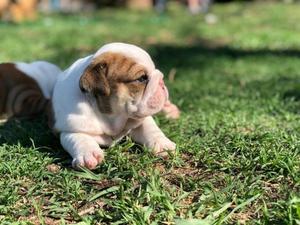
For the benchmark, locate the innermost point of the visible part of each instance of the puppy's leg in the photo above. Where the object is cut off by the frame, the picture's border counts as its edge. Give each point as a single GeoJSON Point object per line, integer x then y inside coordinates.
{"type": "Point", "coordinates": [171, 110]}
{"type": "Point", "coordinates": [83, 148]}
{"type": "Point", "coordinates": [149, 134]}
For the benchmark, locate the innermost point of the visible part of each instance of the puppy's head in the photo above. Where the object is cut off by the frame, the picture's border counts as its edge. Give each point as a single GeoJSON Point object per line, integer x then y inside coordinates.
{"type": "Point", "coordinates": [122, 79]}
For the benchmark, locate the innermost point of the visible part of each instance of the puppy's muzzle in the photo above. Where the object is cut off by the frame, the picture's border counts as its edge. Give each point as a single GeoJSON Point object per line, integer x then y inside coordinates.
{"type": "Point", "coordinates": [155, 95]}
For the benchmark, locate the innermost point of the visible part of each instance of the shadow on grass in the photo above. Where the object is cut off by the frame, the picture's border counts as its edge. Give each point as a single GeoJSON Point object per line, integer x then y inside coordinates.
{"type": "Point", "coordinates": [35, 133]}
{"type": "Point", "coordinates": [197, 55]}
{"type": "Point", "coordinates": [32, 133]}
{"type": "Point", "coordinates": [292, 94]}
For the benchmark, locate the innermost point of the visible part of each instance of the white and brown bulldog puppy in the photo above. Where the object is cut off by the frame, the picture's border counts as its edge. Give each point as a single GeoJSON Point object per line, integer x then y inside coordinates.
{"type": "Point", "coordinates": [25, 89]}
{"type": "Point", "coordinates": [104, 96]}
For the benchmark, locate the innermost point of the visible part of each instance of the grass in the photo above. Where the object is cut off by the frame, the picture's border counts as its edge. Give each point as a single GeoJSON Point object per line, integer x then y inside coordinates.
{"type": "Point", "coordinates": [238, 85]}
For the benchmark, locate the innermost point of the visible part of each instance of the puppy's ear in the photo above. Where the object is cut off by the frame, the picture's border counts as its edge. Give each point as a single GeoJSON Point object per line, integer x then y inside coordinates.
{"type": "Point", "coordinates": [94, 79]}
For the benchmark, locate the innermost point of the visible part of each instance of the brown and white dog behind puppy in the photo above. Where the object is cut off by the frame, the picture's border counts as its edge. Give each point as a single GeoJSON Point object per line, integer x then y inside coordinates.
{"type": "Point", "coordinates": [107, 95]}
{"type": "Point", "coordinates": [25, 89]}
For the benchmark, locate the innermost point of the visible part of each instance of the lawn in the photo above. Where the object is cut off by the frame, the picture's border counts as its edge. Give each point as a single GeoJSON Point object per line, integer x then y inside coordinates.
{"type": "Point", "coordinates": [237, 83]}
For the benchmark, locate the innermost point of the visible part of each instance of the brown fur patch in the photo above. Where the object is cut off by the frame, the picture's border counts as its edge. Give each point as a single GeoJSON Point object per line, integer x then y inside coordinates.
{"type": "Point", "coordinates": [20, 95]}
{"type": "Point", "coordinates": [109, 73]}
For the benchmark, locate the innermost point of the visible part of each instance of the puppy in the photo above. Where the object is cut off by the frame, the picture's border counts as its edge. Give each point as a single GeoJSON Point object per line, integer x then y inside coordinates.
{"type": "Point", "coordinates": [104, 96]}
{"type": "Point", "coordinates": [25, 89]}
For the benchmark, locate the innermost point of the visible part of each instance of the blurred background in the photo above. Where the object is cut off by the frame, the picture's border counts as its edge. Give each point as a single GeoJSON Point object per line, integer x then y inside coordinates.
{"type": "Point", "coordinates": [52, 25]}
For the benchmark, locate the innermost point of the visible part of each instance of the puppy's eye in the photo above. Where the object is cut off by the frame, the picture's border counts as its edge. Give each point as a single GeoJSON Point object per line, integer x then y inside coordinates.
{"type": "Point", "coordinates": [100, 67]}
{"type": "Point", "coordinates": [143, 79]}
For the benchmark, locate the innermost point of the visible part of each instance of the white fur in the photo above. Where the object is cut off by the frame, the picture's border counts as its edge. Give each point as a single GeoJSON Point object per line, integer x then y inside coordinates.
{"type": "Point", "coordinates": [44, 73]}
{"type": "Point", "coordinates": [137, 54]}
{"type": "Point", "coordinates": [81, 125]}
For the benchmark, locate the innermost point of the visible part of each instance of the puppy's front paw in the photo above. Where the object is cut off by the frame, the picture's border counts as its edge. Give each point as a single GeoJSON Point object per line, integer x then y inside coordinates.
{"type": "Point", "coordinates": [162, 146]}
{"type": "Point", "coordinates": [88, 159]}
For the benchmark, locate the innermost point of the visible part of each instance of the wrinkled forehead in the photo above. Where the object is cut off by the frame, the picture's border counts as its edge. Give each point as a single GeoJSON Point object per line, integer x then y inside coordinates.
{"type": "Point", "coordinates": [137, 54]}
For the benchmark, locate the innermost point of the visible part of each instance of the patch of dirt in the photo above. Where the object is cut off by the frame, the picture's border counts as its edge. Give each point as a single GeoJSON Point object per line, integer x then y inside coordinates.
{"type": "Point", "coordinates": [102, 184]}
{"type": "Point", "coordinates": [34, 219]}
{"type": "Point", "coordinates": [242, 217]}
{"type": "Point", "coordinates": [53, 168]}
{"type": "Point", "coordinates": [90, 207]}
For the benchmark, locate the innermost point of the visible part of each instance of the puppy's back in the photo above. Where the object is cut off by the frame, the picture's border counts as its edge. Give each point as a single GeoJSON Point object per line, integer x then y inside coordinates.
{"type": "Point", "coordinates": [25, 89]}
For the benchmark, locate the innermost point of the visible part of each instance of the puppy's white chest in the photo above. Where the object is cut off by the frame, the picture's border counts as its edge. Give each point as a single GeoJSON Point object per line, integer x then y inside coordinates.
{"type": "Point", "coordinates": [120, 127]}
{"type": "Point", "coordinates": [116, 131]}
{"type": "Point", "coordinates": [113, 127]}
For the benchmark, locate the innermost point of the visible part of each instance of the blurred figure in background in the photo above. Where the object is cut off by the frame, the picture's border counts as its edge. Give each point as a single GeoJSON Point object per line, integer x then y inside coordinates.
{"type": "Point", "coordinates": [160, 5]}
{"type": "Point", "coordinates": [195, 6]}
{"type": "Point", "coordinates": [55, 4]}
{"type": "Point", "coordinates": [67, 6]}
{"type": "Point", "coordinates": [199, 6]}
